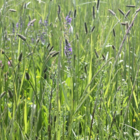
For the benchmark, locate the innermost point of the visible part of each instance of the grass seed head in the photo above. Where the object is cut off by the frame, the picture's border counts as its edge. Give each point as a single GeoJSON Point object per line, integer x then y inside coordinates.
{"type": "Point", "coordinates": [92, 28]}
{"type": "Point", "coordinates": [127, 25]}
{"type": "Point", "coordinates": [45, 76]}
{"type": "Point", "coordinates": [98, 4]}
{"type": "Point", "coordinates": [22, 37]}
{"type": "Point", "coordinates": [48, 46]}
{"type": "Point", "coordinates": [59, 9]}
{"type": "Point", "coordinates": [75, 13]}
{"type": "Point", "coordinates": [31, 22]}
{"type": "Point", "coordinates": [54, 54]}
{"type": "Point", "coordinates": [113, 47]}
{"type": "Point", "coordinates": [137, 10]}
{"type": "Point", "coordinates": [128, 12]}
{"type": "Point", "coordinates": [124, 23]}
{"type": "Point", "coordinates": [10, 94]}
{"type": "Point", "coordinates": [2, 51]}
{"type": "Point", "coordinates": [114, 33]}
{"type": "Point", "coordinates": [51, 49]}
{"type": "Point", "coordinates": [131, 6]}
{"type": "Point", "coordinates": [12, 10]}
{"type": "Point", "coordinates": [121, 12]}
{"type": "Point", "coordinates": [96, 53]}
{"type": "Point", "coordinates": [27, 76]}
{"type": "Point", "coordinates": [2, 94]}
{"type": "Point", "coordinates": [111, 12]}
{"type": "Point", "coordinates": [103, 57]}
{"type": "Point", "coordinates": [20, 57]}
{"type": "Point", "coordinates": [86, 28]}
{"type": "Point", "coordinates": [69, 13]}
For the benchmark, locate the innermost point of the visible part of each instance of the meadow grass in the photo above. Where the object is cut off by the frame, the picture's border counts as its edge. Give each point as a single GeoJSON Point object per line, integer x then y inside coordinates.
{"type": "Point", "coordinates": [69, 70]}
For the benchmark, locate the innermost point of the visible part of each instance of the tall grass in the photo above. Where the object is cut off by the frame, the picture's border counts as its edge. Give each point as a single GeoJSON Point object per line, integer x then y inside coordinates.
{"type": "Point", "coordinates": [69, 80]}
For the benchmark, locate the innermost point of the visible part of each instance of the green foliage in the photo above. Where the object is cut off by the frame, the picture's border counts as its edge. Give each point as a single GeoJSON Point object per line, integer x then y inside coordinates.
{"type": "Point", "coordinates": [69, 80]}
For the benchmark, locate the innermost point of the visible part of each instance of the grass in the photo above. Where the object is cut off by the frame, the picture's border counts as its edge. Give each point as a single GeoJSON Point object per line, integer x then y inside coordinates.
{"type": "Point", "coordinates": [69, 80]}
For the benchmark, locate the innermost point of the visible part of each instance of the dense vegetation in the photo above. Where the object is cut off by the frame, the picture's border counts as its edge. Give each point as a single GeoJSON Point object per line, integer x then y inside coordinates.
{"type": "Point", "coordinates": [69, 70]}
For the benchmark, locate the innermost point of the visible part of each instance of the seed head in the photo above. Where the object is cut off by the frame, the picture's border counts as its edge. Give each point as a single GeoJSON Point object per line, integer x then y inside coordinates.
{"type": "Point", "coordinates": [48, 46]}
{"type": "Point", "coordinates": [75, 13]}
{"type": "Point", "coordinates": [54, 54]}
{"type": "Point", "coordinates": [10, 94]}
{"type": "Point", "coordinates": [92, 28]}
{"type": "Point", "coordinates": [59, 9]}
{"type": "Point", "coordinates": [22, 37]}
{"type": "Point", "coordinates": [96, 53]}
{"type": "Point", "coordinates": [51, 49]}
{"type": "Point", "coordinates": [2, 94]}
{"type": "Point", "coordinates": [131, 6]}
{"type": "Point", "coordinates": [113, 47]}
{"type": "Point", "coordinates": [31, 22]}
{"type": "Point", "coordinates": [20, 57]}
{"type": "Point", "coordinates": [128, 12]}
{"type": "Point", "coordinates": [12, 10]}
{"type": "Point", "coordinates": [27, 76]}
{"type": "Point", "coordinates": [114, 33]}
{"type": "Point", "coordinates": [121, 12]}
{"type": "Point", "coordinates": [98, 2]}
{"type": "Point", "coordinates": [111, 12]}
{"type": "Point", "coordinates": [86, 28]}
{"type": "Point", "coordinates": [137, 10]}
{"type": "Point", "coordinates": [103, 57]}
{"type": "Point", "coordinates": [2, 51]}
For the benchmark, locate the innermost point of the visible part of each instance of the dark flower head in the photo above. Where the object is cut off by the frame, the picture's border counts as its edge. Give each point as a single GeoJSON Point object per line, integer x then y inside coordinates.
{"type": "Point", "coordinates": [68, 19]}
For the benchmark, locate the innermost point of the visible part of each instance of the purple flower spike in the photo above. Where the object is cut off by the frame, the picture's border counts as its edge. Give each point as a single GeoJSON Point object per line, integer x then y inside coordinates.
{"type": "Point", "coordinates": [68, 19]}
{"type": "Point", "coordinates": [17, 25]}
{"type": "Point", "coordinates": [32, 40]}
{"type": "Point", "coordinates": [40, 21]}
{"type": "Point", "coordinates": [70, 49]}
{"type": "Point", "coordinates": [46, 22]}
